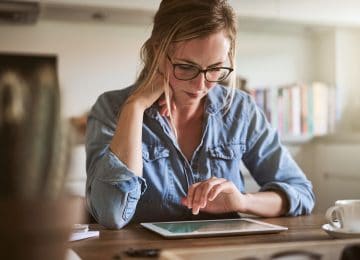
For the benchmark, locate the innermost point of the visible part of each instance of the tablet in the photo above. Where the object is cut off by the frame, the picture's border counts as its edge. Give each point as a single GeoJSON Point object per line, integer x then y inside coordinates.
{"type": "Point", "coordinates": [218, 227]}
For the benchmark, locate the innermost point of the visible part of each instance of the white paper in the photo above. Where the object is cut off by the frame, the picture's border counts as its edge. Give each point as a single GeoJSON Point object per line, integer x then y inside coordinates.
{"type": "Point", "coordinates": [71, 255]}
{"type": "Point", "coordinates": [83, 235]}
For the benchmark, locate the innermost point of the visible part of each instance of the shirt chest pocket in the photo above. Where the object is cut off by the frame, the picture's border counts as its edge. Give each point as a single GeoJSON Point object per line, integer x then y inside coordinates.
{"type": "Point", "coordinates": [155, 160]}
{"type": "Point", "coordinates": [156, 171]}
{"type": "Point", "coordinates": [154, 153]}
{"type": "Point", "coordinates": [225, 160]}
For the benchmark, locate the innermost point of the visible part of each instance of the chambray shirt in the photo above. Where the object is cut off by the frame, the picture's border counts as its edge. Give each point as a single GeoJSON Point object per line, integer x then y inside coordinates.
{"type": "Point", "coordinates": [116, 196]}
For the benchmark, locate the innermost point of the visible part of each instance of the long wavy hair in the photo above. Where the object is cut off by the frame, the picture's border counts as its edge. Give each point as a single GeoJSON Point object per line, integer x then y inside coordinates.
{"type": "Point", "coordinates": [182, 20]}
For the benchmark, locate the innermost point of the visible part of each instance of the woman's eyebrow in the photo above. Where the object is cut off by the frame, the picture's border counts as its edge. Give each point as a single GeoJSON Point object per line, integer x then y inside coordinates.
{"type": "Point", "coordinates": [195, 64]}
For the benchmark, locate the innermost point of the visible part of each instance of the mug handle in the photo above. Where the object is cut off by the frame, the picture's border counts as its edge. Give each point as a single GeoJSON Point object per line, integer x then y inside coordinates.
{"type": "Point", "coordinates": [329, 216]}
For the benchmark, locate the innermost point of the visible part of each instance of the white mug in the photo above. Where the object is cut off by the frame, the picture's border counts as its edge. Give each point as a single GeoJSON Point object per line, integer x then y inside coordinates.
{"type": "Point", "coordinates": [348, 214]}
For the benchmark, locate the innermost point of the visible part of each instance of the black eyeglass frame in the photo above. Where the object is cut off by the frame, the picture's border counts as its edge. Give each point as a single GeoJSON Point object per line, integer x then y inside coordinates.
{"type": "Point", "coordinates": [200, 71]}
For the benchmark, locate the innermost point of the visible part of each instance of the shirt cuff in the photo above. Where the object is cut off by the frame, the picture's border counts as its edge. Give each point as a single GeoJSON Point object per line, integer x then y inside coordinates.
{"type": "Point", "coordinates": [291, 194]}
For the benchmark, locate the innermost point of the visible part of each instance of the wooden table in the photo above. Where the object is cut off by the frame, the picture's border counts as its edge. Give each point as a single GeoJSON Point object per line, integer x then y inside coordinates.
{"type": "Point", "coordinates": [111, 244]}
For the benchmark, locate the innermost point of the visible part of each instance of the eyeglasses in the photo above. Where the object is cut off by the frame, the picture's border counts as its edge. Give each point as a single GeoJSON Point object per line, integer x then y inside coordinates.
{"type": "Point", "coordinates": [183, 71]}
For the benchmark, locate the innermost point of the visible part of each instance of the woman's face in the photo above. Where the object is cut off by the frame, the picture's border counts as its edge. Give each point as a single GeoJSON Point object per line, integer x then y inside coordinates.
{"type": "Point", "coordinates": [208, 52]}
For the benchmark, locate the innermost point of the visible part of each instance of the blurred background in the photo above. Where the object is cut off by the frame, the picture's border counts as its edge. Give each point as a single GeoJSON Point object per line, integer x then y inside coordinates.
{"type": "Point", "coordinates": [299, 59]}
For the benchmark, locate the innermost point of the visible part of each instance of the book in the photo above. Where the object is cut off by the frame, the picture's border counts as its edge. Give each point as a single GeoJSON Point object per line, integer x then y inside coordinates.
{"type": "Point", "coordinates": [320, 108]}
{"type": "Point", "coordinates": [304, 109]}
{"type": "Point", "coordinates": [274, 107]}
{"type": "Point", "coordinates": [75, 236]}
{"type": "Point", "coordinates": [81, 231]}
{"type": "Point", "coordinates": [295, 111]}
{"type": "Point", "coordinates": [280, 102]}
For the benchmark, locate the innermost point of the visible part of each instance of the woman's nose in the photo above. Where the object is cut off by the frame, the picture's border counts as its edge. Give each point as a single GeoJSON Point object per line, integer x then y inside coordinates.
{"type": "Point", "coordinates": [199, 82]}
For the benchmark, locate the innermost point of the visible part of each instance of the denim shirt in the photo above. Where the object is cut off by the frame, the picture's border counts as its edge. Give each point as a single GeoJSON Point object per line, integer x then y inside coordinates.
{"type": "Point", "coordinates": [116, 196]}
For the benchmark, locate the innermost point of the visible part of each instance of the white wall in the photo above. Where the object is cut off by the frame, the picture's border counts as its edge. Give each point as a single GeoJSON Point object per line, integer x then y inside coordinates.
{"type": "Point", "coordinates": [274, 58]}
{"type": "Point", "coordinates": [323, 56]}
{"type": "Point", "coordinates": [348, 77]}
{"type": "Point", "coordinates": [92, 57]}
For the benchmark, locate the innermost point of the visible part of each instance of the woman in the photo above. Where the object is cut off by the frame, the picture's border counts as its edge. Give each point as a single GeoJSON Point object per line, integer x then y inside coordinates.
{"type": "Point", "coordinates": [169, 147]}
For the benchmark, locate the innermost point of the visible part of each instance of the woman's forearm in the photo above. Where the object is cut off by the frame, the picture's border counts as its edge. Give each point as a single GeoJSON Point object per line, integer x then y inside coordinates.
{"type": "Point", "coordinates": [266, 204]}
{"type": "Point", "coordinates": [126, 143]}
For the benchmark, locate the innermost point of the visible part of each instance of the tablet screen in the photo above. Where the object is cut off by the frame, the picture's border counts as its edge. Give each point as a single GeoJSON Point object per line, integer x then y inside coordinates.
{"type": "Point", "coordinates": [212, 227]}
{"type": "Point", "coordinates": [202, 226]}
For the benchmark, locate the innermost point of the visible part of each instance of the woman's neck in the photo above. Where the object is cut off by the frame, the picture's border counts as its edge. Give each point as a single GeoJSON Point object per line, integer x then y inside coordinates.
{"type": "Point", "coordinates": [189, 113]}
{"type": "Point", "coordinates": [188, 121]}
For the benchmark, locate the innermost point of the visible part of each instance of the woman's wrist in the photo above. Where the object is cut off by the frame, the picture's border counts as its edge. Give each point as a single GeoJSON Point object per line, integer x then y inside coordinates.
{"type": "Point", "coordinates": [244, 201]}
{"type": "Point", "coordinates": [266, 203]}
{"type": "Point", "coordinates": [135, 105]}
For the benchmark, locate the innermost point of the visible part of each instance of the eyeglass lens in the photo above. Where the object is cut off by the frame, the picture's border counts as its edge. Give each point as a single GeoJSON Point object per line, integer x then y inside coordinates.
{"type": "Point", "coordinates": [187, 72]}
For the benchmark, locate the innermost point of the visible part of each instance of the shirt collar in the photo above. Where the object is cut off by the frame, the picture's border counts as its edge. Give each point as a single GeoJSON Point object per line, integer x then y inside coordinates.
{"type": "Point", "coordinates": [153, 111]}
{"type": "Point", "coordinates": [215, 99]}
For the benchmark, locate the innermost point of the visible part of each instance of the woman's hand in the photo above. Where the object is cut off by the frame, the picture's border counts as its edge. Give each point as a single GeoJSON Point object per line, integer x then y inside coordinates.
{"type": "Point", "coordinates": [146, 95]}
{"type": "Point", "coordinates": [215, 195]}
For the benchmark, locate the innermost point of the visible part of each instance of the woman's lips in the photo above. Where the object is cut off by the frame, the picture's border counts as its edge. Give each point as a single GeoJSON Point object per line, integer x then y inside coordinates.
{"type": "Point", "coordinates": [195, 95]}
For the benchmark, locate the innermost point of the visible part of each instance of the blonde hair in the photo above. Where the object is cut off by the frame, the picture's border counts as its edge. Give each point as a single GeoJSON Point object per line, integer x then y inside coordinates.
{"type": "Point", "coordinates": [181, 20]}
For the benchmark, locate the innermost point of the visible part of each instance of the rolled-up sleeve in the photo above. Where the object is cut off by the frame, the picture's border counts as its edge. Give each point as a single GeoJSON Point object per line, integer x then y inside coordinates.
{"type": "Point", "coordinates": [112, 190]}
{"type": "Point", "coordinates": [272, 166]}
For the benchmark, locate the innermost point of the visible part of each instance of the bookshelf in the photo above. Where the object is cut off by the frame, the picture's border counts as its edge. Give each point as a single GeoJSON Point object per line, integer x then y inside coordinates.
{"type": "Point", "coordinates": [298, 111]}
